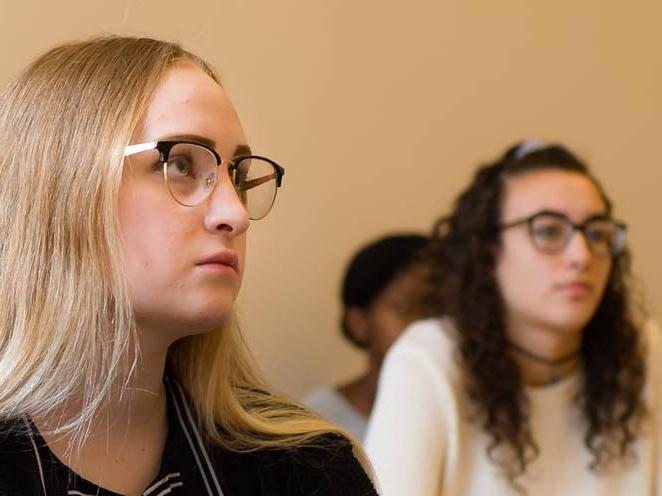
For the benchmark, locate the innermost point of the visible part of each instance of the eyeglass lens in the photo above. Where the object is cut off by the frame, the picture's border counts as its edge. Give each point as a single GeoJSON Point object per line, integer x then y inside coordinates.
{"type": "Point", "coordinates": [191, 173]}
{"type": "Point", "coordinates": [552, 233]}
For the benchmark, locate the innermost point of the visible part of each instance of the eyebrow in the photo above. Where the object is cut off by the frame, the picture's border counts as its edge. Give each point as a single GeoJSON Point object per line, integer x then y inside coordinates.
{"type": "Point", "coordinates": [196, 138]}
{"type": "Point", "coordinates": [242, 149]}
{"type": "Point", "coordinates": [603, 216]}
{"type": "Point", "coordinates": [594, 216]}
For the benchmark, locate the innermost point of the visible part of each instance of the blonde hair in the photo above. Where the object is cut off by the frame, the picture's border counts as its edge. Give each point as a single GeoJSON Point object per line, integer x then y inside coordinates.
{"type": "Point", "coordinates": [66, 324]}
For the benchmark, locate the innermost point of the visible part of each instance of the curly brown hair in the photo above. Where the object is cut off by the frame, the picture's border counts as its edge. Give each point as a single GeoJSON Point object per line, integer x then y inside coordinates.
{"type": "Point", "coordinates": [462, 257]}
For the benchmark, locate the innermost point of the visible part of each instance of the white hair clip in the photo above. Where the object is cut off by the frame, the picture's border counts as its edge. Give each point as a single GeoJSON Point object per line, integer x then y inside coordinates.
{"type": "Point", "coordinates": [528, 146]}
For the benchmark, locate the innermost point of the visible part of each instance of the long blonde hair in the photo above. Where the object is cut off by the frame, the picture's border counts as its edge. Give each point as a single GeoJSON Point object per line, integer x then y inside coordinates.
{"type": "Point", "coordinates": [66, 324]}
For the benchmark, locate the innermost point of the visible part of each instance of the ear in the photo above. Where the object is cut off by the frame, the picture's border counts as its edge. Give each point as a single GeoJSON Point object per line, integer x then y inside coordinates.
{"type": "Point", "coordinates": [357, 323]}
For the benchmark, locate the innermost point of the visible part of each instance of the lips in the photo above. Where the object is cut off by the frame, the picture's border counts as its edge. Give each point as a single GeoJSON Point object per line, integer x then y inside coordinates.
{"type": "Point", "coordinates": [576, 287]}
{"type": "Point", "coordinates": [225, 258]}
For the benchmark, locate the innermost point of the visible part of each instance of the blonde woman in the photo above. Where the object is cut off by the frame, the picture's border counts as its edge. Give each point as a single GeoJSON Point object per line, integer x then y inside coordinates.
{"type": "Point", "coordinates": [126, 189]}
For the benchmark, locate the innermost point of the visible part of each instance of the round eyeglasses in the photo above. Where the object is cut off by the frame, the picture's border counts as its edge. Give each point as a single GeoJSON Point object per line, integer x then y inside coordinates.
{"type": "Point", "coordinates": [191, 170]}
{"type": "Point", "coordinates": [551, 232]}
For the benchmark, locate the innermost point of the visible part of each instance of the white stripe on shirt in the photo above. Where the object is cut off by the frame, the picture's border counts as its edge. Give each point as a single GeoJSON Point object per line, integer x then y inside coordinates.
{"type": "Point", "coordinates": [168, 490]}
{"type": "Point", "coordinates": [199, 439]}
{"type": "Point", "coordinates": [158, 483]}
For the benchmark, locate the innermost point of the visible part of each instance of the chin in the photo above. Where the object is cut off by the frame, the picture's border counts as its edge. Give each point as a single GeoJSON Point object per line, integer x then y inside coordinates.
{"type": "Point", "coordinates": [210, 320]}
{"type": "Point", "coordinates": [571, 321]}
{"type": "Point", "coordinates": [195, 312]}
{"type": "Point", "coordinates": [212, 309]}
{"type": "Point", "coordinates": [201, 321]}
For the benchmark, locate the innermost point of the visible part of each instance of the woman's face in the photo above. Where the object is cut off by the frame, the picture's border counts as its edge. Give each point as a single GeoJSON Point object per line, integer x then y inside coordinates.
{"type": "Point", "coordinates": [184, 264]}
{"type": "Point", "coordinates": [561, 291]}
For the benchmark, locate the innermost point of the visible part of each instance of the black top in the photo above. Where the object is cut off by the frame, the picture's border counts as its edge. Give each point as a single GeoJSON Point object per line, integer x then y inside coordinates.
{"type": "Point", "coordinates": [190, 466]}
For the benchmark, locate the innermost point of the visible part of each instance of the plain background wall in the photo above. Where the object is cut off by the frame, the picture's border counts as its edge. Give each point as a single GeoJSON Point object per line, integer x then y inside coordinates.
{"type": "Point", "coordinates": [380, 111]}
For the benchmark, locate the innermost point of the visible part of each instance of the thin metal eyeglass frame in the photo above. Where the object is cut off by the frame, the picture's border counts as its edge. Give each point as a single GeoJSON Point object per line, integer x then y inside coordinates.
{"type": "Point", "coordinates": [574, 226]}
{"type": "Point", "coordinates": [164, 147]}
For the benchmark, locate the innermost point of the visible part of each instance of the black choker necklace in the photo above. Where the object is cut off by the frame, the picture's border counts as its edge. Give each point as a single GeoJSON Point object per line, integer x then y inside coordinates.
{"type": "Point", "coordinates": [553, 363]}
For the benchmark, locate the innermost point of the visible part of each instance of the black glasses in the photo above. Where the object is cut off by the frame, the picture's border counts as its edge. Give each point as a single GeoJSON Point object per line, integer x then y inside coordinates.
{"type": "Point", "coordinates": [190, 171]}
{"type": "Point", "coordinates": [551, 232]}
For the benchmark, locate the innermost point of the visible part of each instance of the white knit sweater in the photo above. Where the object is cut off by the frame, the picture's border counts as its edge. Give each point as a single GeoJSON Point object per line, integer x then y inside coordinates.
{"type": "Point", "coordinates": [421, 443]}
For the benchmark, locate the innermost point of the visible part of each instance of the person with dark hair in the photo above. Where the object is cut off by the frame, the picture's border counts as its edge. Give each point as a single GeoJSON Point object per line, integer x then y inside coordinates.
{"type": "Point", "coordinates": [376, 294]}
{"type": "Point", "coordinates": [536, 376]}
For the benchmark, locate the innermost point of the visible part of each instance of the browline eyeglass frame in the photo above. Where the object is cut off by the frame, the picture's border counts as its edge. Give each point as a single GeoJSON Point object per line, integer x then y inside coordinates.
{"type": "Point", "coordinates": [164, 148]}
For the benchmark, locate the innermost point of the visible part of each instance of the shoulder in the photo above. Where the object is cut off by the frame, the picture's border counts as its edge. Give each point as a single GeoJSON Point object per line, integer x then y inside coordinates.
{"type": "Point", "coordinates": [321, 396]}
{"type": "Point", "coordinates": [420, 376]}
{"type": "Point", "coordinates": [429, 336]}
{"type": "Point", "coordinates": [326, 466]}
{"type": "Point", "coordinates": [425, 347]}
{"type": "Point", "coordinates": [333, 406]}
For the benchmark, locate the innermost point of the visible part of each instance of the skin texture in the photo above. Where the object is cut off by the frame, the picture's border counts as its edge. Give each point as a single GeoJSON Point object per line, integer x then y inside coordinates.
{"type": "Point", "coordinates": [545, 308]}
{"type": "Point", "coordinates": [173, 295]}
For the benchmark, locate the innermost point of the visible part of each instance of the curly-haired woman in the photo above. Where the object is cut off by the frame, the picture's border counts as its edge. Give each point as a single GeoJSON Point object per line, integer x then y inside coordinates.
{"type": "Point", "coordinates": [536, 376]}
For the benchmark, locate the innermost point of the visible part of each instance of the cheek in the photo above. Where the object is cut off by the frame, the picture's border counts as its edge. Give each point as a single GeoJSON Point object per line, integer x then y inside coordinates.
{"type": "Point", "coordinates": [152, 249]}
{"type": "Point", "coordinates": [239, 245]}
{"type": "Point", "coordinates": [602, 272]}
{"type": "Point", "coordinates": [389, 325]}
{"type": "Point", "coordinates": [150, 240]}
{"type": "Point", "coordinates": [522, 274]}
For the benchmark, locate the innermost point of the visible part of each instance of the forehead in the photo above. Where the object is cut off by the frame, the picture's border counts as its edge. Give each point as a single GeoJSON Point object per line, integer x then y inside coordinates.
{"type": "Point", "coordinates": [189, 102]}
{"type": "Point", "coordinates": [570, 193]}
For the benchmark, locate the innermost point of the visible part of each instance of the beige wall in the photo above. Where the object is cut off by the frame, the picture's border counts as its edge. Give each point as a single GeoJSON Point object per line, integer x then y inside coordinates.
{"type": "Point", "coordinates": [380, 110]}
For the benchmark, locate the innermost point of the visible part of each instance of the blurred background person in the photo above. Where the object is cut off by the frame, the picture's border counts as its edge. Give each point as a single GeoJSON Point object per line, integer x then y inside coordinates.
{"type": "Point", "coordinates": [379, 286]}
{"type": "Point", "coordinates": [536, 377]}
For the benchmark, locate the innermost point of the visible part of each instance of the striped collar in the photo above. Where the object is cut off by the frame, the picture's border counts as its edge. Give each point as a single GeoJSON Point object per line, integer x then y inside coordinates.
{"type": "Point", "coordinates": [177, 475]}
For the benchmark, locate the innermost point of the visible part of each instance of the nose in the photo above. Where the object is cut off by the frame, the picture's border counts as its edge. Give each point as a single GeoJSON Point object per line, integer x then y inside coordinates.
{"type": "Point", "coordinates": [225, 211]}
{"type": "Point", "coordinates": [578, 252]}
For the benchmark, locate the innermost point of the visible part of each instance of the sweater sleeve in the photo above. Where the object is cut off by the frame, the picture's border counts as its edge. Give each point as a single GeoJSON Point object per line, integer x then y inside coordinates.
{"type": "Point", "coordinates": [408, 431]}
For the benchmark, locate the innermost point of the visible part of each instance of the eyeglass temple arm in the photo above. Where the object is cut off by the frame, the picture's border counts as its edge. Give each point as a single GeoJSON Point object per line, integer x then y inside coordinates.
{"type": "Point", "coordinates": [246, 185]}
{"type": "Point", "coordinates": [142, 147]}
{"type": "Point", "coordinates": [514, 223]}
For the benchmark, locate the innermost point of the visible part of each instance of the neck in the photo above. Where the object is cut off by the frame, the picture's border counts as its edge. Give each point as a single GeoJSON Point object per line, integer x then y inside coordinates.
{"type": "Point", "coordinates": [361, 392]}
{"type": "Point", "coordinates": [544, 355]}
{"type": "Point", "coordinates": [134, 417]}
